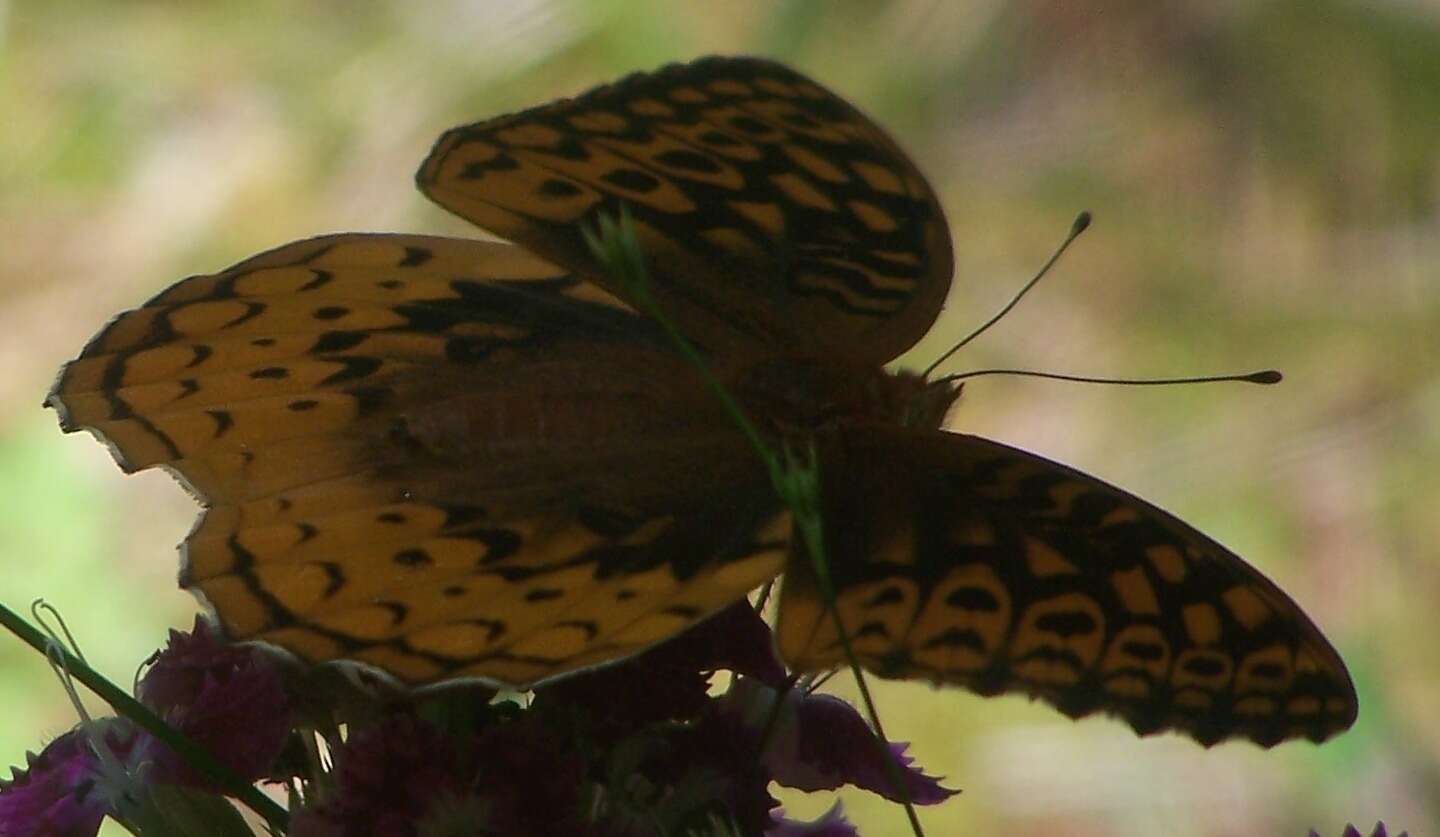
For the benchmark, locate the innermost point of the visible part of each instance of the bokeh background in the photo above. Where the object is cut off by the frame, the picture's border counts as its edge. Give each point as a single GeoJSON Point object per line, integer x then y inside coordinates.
{"type": "Point", "coordinates": [1265, 178]}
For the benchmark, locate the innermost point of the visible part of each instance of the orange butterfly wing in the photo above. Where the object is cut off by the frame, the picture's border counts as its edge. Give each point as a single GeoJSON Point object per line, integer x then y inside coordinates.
{"type": "Point", "coordinates": [963, 561]}
{"type": "Point", "coordinates": [408, 447]}
{"type": "Point", "coordinates": [772, 213]}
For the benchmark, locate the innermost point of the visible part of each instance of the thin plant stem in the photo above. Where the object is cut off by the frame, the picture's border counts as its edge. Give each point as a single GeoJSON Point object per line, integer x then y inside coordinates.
{"type": "Point", "coordinates": [193, 754]}
{"type": "Point", "coordinates": [803, 495]}
{"type": "Point", "coordinates": [798, 482]}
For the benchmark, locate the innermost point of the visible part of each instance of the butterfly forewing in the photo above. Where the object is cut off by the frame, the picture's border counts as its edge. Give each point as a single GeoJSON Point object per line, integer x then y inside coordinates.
{"type": "Point", "coordinates": [410, 450]}
{"type": "Point", "coordinates": [773, 215]}
{"type": "Point", "coordinates": [962, 561]}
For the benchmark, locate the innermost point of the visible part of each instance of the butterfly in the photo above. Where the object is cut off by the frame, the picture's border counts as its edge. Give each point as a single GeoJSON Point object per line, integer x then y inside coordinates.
{"type": "Point", "coordinates": [448, 458]}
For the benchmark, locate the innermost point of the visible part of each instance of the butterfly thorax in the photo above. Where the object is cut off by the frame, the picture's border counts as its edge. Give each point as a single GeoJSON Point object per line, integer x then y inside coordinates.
{"type": "Point", "coordinates": [797, 396]}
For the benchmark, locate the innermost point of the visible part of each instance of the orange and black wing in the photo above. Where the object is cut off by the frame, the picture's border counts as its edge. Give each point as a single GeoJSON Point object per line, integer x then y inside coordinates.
{"type": "Point", "coordinates": [442, 458]}
{"type": "Point", "coordinates": [773, 214]}
{"type": "Point", "coordinates": [962, 561]}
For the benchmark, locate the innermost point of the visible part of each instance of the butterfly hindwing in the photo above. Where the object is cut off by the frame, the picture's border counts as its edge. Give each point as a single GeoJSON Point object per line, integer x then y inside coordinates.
{"type": "Point", "coordinates": [963, 561]}
{"type": "Point", "coordinates": [409, 448]}
{"type": "Point", "coordinates": [771, 212]}
{"type": "Point", "coordinates": [430, 592]}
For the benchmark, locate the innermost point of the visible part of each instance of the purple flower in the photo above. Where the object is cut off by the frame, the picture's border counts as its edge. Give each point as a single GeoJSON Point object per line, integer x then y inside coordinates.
{"type": "Point", "coordinates": [531, 774]}
{"type": "Point", "coordinates": [714, 759]}
{"type": "Point", "coordinates": [227, 698]}
{"type": "Point", "coordinates": [406, 777]}
{"type": "Point", "coordinates": [580, 760]}
{"type": "Point", "coordinates": [633, 750]}
{"type": "Point", "coordinates": [64, 790]}
{"type": "Point", "coordinates": [819, 742]}
{"type": "Point", "coordinates": [387, 779]}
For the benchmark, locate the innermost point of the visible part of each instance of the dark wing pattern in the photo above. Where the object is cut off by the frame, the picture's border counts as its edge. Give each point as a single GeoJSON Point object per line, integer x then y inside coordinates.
{"type": "Point", "coordinates": [773, 214]}
{"type": "Point", "coordinates": [407, 447]}
{"type": "Point", "coordinates": [963, 561]}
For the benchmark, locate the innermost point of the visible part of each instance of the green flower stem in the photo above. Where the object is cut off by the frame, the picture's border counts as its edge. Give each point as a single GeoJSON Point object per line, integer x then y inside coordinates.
{"type": "Point", "coordinates": [800, 490]}
{"type": "Point", "coordinates": [193, 754]}
{"type": "Point", "coordinates": [617, 248]}
{"type": "Point", "coordinates": [796, 477]}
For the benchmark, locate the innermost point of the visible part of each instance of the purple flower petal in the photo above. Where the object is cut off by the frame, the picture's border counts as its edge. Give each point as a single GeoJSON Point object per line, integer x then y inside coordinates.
{"type": "Point", "coordinates": [228, 698]}
{"type": "Point", "coordinates": [405, 777]}
{"type": "Point", "coordinates": [820, 742]}
{"type": "Point", "coordinates": [62, 790]}
{"type": "Point", "coordinates": [386, 779]}
{"type": "Point", "coordinates": [529, 775]}
{"type": "Point", "coordinates": [672, 780]}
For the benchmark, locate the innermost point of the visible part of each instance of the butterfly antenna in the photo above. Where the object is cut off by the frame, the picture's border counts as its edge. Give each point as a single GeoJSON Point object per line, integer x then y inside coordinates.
{"type": "Point", "coordinates": [1082, 221]}
{"type": "Point", "coordinates": [1264, 376]}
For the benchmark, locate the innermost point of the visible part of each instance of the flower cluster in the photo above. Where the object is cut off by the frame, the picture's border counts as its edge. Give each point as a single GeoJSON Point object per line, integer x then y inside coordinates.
{"type": "Point", "coordinates": [637, 749]}
{"type": "Point", "coordinates": [229, 699]}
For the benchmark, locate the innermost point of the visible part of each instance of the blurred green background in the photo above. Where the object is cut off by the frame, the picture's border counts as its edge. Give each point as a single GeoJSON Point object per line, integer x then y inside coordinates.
{"type": "Point", "coordinates": [1266, 183]}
